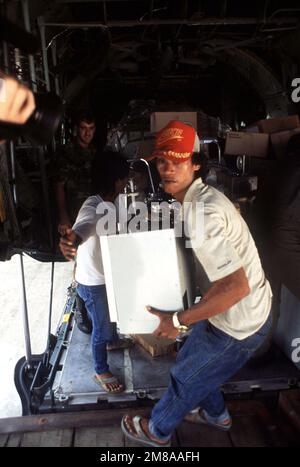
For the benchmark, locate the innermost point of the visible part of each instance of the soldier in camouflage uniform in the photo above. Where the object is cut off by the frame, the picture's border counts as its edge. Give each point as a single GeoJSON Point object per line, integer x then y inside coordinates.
{"type": "Point", "coordinates": [73, 186]}
{"type": "Point", "coordinates": [73, 172]}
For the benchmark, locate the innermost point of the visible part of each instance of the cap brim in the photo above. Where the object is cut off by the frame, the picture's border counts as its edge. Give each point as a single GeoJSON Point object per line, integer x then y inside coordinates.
{"type": "Point", "coordinates": [156, 154]}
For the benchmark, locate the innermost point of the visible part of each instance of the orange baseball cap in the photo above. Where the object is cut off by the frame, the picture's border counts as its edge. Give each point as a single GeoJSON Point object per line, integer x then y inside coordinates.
{"type": "Point", "coordinates": [177, 142]}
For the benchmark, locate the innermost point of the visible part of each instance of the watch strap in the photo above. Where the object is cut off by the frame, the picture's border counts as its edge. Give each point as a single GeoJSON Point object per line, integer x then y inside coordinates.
{"type": "Point", "coordinates": [175, 320]}
{"type": "Point", "coordinates": [176, 323]}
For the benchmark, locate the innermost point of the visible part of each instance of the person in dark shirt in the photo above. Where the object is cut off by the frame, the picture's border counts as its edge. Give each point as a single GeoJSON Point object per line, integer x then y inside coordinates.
{"type": "Point", "coordinates": [73, 172]}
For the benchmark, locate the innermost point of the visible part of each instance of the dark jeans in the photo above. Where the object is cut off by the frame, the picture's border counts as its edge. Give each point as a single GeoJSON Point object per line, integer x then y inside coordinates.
{"type": "Point", "coordinates": [207, 359]}
{"type": "Point", "coordinates": [104, 332]}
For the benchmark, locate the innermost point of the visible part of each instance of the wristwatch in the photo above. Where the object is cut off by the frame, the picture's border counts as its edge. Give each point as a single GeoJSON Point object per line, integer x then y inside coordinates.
{"type": "Point", "coordinates": [182, 328]}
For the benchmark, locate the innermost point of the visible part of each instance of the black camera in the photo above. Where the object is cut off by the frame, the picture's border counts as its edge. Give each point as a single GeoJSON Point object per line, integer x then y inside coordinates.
{"type": "Point", "coordinates": [41, 125]}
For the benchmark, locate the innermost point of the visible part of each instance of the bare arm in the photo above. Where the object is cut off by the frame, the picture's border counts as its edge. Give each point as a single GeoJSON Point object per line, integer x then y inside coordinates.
{"type": "Point", "coordinates": [223, 294]}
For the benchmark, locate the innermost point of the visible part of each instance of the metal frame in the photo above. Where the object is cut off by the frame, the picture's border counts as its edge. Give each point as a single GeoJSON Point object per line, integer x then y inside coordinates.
{"type": "Point", "coordinates": [250, 66]}
{"type": "Point", "coordinates": [41, 150]}
{"type": "Point", "coordinates": [213, 21]}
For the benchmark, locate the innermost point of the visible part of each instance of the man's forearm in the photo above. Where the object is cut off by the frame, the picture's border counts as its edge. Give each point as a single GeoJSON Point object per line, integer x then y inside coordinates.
{"type": "Point", "coordinates": [220, 297]}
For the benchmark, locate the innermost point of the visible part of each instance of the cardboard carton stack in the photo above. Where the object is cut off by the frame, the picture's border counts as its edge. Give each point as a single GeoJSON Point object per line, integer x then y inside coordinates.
{"type": "Point", "coordinates": [255, 141]}
{"type": "Point", "coordinates": [240, 143]}
{"type": "Point", "coordinates": [279, 130]}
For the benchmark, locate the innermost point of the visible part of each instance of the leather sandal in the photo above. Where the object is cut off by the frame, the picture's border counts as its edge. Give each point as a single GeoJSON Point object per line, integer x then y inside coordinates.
{"type": "Point", "coordinates": [104, 381]}
{"type": "Point", "coordinates": [199, 416]}
{"type": "Point", "coordinates": [140, 436]}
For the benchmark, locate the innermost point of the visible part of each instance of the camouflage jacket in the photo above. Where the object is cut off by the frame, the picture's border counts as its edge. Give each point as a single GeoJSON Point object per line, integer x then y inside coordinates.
{"type": "Point", "coordinates": [73, 166]}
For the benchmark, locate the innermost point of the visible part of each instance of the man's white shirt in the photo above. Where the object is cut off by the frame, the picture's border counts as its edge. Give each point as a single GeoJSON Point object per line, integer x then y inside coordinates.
{"type": "Point", "coordinates": [227, 246]}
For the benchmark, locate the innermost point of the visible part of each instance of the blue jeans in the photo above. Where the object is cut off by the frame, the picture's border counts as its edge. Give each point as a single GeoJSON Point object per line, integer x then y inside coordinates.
{"type": "Point", "coordinates": [207, 359]}
{"type": "Point", "coordinates": [104, 332]}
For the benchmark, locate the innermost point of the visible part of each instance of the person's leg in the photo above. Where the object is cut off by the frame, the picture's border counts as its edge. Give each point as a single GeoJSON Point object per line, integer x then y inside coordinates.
{"type": "Point", "coordinates": [189, 381]}
{"type": "Point", "coordinates": [197, 375]}
{"type": "Point", "coordinates": [212, 411]}
{"type": "Point", "coordinates": [94, 298]}
{"type": "Point", "coordinates": [96, 303]}
{"type": "Point", "coordinates": [214, 403]}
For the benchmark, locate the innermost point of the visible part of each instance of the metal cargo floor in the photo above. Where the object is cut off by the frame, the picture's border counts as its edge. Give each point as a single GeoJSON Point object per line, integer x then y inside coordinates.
{"type": "Point", "coordinates": [134, 367]}
{"type": "Point", "coordinates": [144, 375]}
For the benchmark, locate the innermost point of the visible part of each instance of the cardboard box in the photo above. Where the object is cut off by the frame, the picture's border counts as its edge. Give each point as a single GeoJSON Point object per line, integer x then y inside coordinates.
{"type": "Point", "coordinates": [280, 141]}
{"type": "Point", "coordinates": [160, 119]}
{"type": "Point", "coordinates": [156, 346]}
{"type": "Point", "coordinates": [273, 125]}
{"type": "Point", "coordinates": [249, 144]}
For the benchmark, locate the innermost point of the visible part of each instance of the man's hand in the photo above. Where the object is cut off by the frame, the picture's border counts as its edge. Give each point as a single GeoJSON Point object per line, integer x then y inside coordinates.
{"type": "Point", "coordinates": [69, 243]}
{"type": "Point", "coordinates": [165, 327]}
{"type": "Point", "coordinates": [64, 223]}
{"type": "Point", "coordinates": [63, 227]}
{"type": "Point", "coordinates": [16, 101]}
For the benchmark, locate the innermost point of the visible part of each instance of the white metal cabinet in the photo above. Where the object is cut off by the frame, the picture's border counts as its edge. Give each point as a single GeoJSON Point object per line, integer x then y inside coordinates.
{"type": "Point", "coordinates": [145, 268]}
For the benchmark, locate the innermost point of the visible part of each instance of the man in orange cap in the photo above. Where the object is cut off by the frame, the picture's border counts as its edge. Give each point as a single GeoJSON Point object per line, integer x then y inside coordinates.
{"type": "Point", "coordinates": [233, 317]}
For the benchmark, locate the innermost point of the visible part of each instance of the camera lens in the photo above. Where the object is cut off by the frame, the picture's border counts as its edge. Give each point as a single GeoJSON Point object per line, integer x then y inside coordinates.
{"type": "Point", "coordinates": [44, 121]}
{"type": "Point", "coordinates": [41, 125]}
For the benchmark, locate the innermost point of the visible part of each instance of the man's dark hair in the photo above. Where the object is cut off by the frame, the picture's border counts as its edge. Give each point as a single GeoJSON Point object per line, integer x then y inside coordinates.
{"type": "Point", "coordinates": [199, 158]}
{"type": "Point", "coordinates": [108, 167]}
{"type": "Point", "coordinates": [84, 116]}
